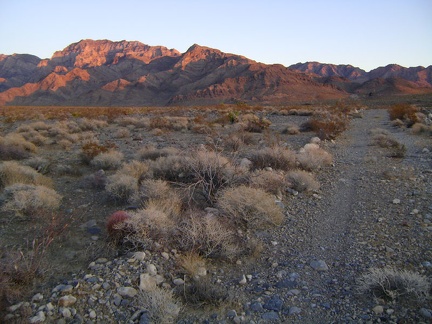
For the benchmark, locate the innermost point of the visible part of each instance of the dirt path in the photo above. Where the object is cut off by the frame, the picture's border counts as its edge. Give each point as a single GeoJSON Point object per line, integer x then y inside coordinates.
{"type": "Point", "coordinates": [353, 225]}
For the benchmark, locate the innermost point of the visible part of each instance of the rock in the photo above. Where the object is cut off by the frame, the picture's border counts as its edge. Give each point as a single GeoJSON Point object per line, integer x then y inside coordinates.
{"type": "Point", "coordinates": [117, 299]}
{"type": "Point", "coordinates": [65, 289]}
{"type": "Point", "coordinates": [245, 163]}
{"type": "Point", "coordinates": [147, 282]}
{"type": "Point", "coordinates": [65, 312]}
{"type": "Point", "coordinates": [37, 298]}
{"type": "Point", "coordinates": [67, 300]}
{"type": "Point", "coordinates": [127, 292]}
{"type": "Point", "coordinates": [178, 281]}
{"type": "Point", "coordinates": [201, 272]}
{"type": "Point", "coordinates": [165, 255]}
{"type": "Point", "coordinates": [92, 314]}
{"type": "Point", "coordinates": [38, 318]}
{"type": "Point", "coordinates": [426, 313]}
{"type": "Point", "coordinates": [140, 256]}
{"type": "Point", "coordinates": [274, 303]}
{"type": "Point", "coordinates": [49, 307]}
{"type": "Point", "coordinates": [256, 307]}
{"type": "Point", "coordinates": [319, 265]}
{"type": "Point", "coordinates": [287, 283]}
{"type": "Point", "coordinates": [270, 316]}
{"type": "Point", "coordinates": [294, 310]}
{"type": "Point", "coordinates": [145, 318]}
{"type": "Point", "coordinates": [151, 269]}
{"type": "Point", "coordinates": [212, 211]}
{"type": "Point", "coordinates": [243, 280]}
{"type": "Point", "coordinates": [315, 140]}
{"type": "Point", "coordinates": [396, 201]}
{"type": "Point", "coordinates": [378, 309]}
{"type": "Point", "coordinates": [13, 308]}
{"type": "Point", "coordinates": [231, 313]}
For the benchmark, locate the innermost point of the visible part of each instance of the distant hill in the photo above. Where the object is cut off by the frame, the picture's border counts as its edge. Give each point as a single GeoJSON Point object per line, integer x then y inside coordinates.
{"type": "Point", "coordinates": [125, 73]}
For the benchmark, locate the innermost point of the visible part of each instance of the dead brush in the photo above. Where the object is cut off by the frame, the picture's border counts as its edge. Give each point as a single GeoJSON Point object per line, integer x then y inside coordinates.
{"type": "Point", "coordinates": [385, 140]}
{"type": "Point", "coordinates": [91, 149]}
{"type": "Point", "coordinates": [311, 157]}
{"type": "Point", "coordinates": [395, 285]}
{"type": "Point", "coordinates": [276, 157]}
{"type": "Point", "coordinates": [405, 112]}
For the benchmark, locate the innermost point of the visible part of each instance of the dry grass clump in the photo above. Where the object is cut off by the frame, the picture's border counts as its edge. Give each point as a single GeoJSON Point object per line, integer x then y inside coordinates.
{"type": "Point", "coordinates": [152, 189]}
{"type": "Point", "coordinates": [136, 169]}
{"type": "Point", "coordinates": [86, 124]}
{"type": "Point", "coordinates": [252, 123]}
{"type": "Point", "coordinates": [292, 130]}
{"type": "Point", "coordinates": [25, 199]}
{"type": "Point", "coordinates": [110, 160]}
{"type": "Point", "coordinates": [276, 157]}
{"type": "Point", "coordinates": [12, 172]}
{"type": "Point", "coordinates": [150, 152]}
{"type": "Point", "coordinates": [192, 263]}
{"type": "Point", "coordinates": [208, 236]}
{"type": "Point", "coordinates": [252, 208]}
{"type": "Point", "coordinates": [385, 140]}
{"type": "Point", "coordinates": [404, 112]}
{"type": "Point", "coordinates": [122, 132]}
{"type": "Point", "coordinates": [169, 123]}
{"type": "Point", "coordinates": [91, 149]}
{"type": "Point", "coordinates": [420, 128]}
{"type": "Point", "coordinates": [327, 125]}
{"type": "Point", "coordinates": [121, 187]}
{"type": "Point", "coordinates": [137, 122]}
{"type": "Point", "coordinates": [14, 146]}
{"type": "Point", "coordinates": [393, 284]}
{"type": "Point", "coordinates": [160, 303]}
{"type": "Point", "coordinates": [173, 168]}
{"type": "Point", "coordinates": [201, 291]}
{"type": "Point", "coordinates": [270, 181]}
{"type": "Point", "coordinates": [312, 157]}
{"type": "Point", "coordinates": [302, 181]}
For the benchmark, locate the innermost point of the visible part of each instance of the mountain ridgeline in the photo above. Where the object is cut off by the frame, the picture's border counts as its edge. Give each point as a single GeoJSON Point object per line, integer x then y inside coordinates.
{"type": "Point", "coordinates": [129, 73]}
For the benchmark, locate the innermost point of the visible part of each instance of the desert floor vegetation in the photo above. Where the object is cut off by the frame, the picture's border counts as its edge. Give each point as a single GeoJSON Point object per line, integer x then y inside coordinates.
{"type": "Point", "coordinates": [200, 191]}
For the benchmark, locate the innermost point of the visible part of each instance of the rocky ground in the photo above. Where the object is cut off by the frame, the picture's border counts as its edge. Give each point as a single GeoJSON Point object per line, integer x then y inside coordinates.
{"type": "Point", "coordinates": [372, 210]}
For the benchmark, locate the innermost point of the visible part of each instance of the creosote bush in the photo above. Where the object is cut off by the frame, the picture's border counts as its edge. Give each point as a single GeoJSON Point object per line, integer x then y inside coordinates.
{"type": "Point", "coordinates": [393, 284]}
{"type": "Point", "coordinates": [121, 187]}
{"type": "Point", "coordinates": [12, 172]}
{"type": "Point", "coordinates": [405, 113]}
{"type": "Point", "coordinates": [110, 160]}
{"type": "Point", "coordinates": [15, 147]}
{"type": "Point", "coordinates": [160, 303]}
{"type": "Point", "coordinates": [251, 208]}
{"type": "Point", "coordinates": [311, 157]}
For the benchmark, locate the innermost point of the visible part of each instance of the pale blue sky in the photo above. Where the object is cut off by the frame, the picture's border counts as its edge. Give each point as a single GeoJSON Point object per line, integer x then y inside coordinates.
{"type": "Point", "coordinates": [366, 34]}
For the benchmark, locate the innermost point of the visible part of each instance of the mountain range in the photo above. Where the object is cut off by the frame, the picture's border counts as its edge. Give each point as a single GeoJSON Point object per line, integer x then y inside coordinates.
{"type": "Point", "coordinates": [130, 73]}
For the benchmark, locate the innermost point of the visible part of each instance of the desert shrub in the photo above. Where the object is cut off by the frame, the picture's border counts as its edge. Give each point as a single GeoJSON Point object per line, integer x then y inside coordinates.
{"type": "Point", "coordinates": [86, 124]}
{"type": "Point", "coordinates": [169, 123]}
{"type": "Point", "coordinates": [136, 169]}
{"type": "Point", "coordinates": [174, 168]}
{"type": "Point", "coordinates": [420, 128]}
{"type": "Point", "coordinates": [254, 124]}
{"type": "Point", "coordinates": [270, 181]}
{"type": "Point", "coordinates": [122, 188]}
{"type": "Point", "coordinates": [404, 112]}
{"type": "Point", "coordinates": [393, 284]}
{"type": "Point", "coordinates": [110, 160]}
{"type": "Point", "coordinates": [208, 236]}
{"type": "Point", "coordinates": [192, 263]}
{"type": "Point", "coordinates": [35, 137]}
{"type": "Point", "coordinates": [150, 152]}
{"type": "Point", "coordinates": [25, 199]}
{"type": "Point", "coordinates": [151, 189]}
{"type": "Point", "coordinates": [138, 122]}
{"type": "Point", "coordinates": [116, 224]}
{"type": "Point", "coordinates": [161, 304]}
{"type": "Point", "coordinates": [15, 147]}
{"type": "Point", "coordinates": [233, 142]}
{"type": "Point", "coordinates": [122, 132]}
{"type": "Point", "coordinates": [312, 157]}
{"type": "Point", "coordinates": [302, 181]}
{"type": "Point", "coordinates": [291, 130]}
{"type": "Point", "coordinates": [151, 225]}
{"type": "Point", "coordinates": [276, 157]}
{"type": "Point", "coordinates": [171, 206]}
{"type": "Point", "coordinates": [397, 149]}
{"type": "Point", "coordinates": [250, 207]}
{"type": "Point", "coordinates": [91, 149]}
{"type": "Point", "coordinates": [96, 180]}
{"type": "Point", "coordinates": [327, 126]}
{"type": "Point", "coordinates": [202, 291]}
{"type": "Point", "coordinates": [12, 172]}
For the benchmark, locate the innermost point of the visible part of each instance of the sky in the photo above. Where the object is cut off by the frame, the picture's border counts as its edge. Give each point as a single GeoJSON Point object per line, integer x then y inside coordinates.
{"type": "Point", "coordinates": [366, 34]}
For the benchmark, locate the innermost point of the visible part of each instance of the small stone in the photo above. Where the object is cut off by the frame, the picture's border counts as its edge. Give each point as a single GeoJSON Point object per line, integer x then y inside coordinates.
{"type": "Point", "coordinates": [256, 307]}
{"type": "Point", "coordinates": [147, 282]}
{"type": "Point", "coordinates": [396, 201]}
{"type": "Point", "coordinates": [270, 316]}
{"type": "Point", "coordinates": [378, 309]}
{"type": "Point", "coordinates": [390, 311]}
{"type": "Point", "coordinates": [319, 265]}
{"type": "Point", "coordinates": [92, 314]}
{"type": "Point", "coordinates": [165, 255]}
{"type": "Point", "coordinates": [178, 281]}
{"type": "Point", "coordinates": [294, 310]}
{"type": "Point", "coordinates": [414, 212]}
{"type": "Point", "coordinates": [49, 307]}
{"type": "Point", "coordinates": [13, 308]}
{"type": "Point", "coordinates": [37, 298]}
{"type": "Point", "coordinates": [249, 277]}
{"type": "Point", "coordinates": [145, 318]}
{"type": "Point", "coordinates": [140, 256]}
{"type": "Point", "coordinates": [39, 318]}
{"type": "Point", "coordinates": [274, 303]}
{"type": "Point", "coordinates": [151, 269]}
{"type": "Point", "coordinates": [128, 292]}
{"type": "Point", "coordinates": [117, 300]}
{"type": "Point", "coordinates": [201, 272]}
{"type": "Point", "coordinates": [101, 260]}
{"type": "Point", "coordinates": [67, 300]}
{"type": "Point", "coordinates": [231, 313]}
{"type": "Point", "coordinates": [426, 313]}
{"type": "Point", "coordinates": [238, 319]}
{"type": "Point", "coordinates": [65, 312]}
{"type": "Point", "coordinates": [243, 280]}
